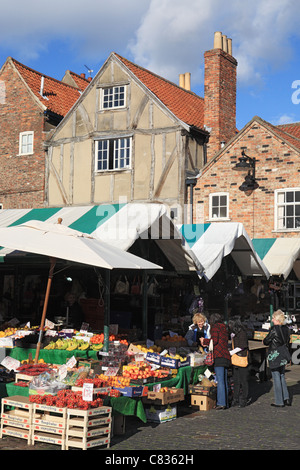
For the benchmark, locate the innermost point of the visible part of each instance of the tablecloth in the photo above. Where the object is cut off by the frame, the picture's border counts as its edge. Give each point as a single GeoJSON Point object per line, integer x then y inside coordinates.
{"type": "Point", "coordinates": [51, 356]}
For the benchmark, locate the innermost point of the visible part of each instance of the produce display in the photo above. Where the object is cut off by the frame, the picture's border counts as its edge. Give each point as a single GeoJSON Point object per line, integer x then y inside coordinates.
{"type": "Point", "coordinates": [66, 398]}
{"type": "Point", "coordinates": [72, 344]}
{"type": "Point", "coordinates": [34, 369]}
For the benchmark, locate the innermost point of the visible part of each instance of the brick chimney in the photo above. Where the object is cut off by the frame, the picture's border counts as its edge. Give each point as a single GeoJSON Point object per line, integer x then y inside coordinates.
{"type": "Point", "coordinates": [219, 93]}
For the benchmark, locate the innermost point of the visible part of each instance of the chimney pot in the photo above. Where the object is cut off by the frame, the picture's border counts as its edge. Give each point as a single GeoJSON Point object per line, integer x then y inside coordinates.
{"type": "Point", "coordinates": [187, 81]}
{"type": "Point", "coordinates": [218, 40]}
{"type": "Point", "coordinates": [82, 75]}
{"type": "Point", "coordinates": [181, 80]}
{"type": "Point", "coordinates": [224, 43]}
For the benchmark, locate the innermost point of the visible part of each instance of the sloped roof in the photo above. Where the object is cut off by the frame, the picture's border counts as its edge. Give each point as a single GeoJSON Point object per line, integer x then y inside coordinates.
{"type": "Point", "coordinates": [292, 128]}
{"type": "Point", "coordinates": [79, 80]}
{"type": "Point", "coordinates": [58, 97]}
{"type": "Point", "coordinates": [184, 104]}
{"type": "Point", "coordinates": [285, 133]}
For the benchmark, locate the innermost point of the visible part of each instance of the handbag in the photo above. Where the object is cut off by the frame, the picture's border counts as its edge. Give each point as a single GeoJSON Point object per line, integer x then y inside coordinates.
{"type": "Point", "coordinates": [209, 359]}
{"type": "Point", "coordinates": [122, 287]}
{"type": "Point", "coordinates": [239, 361]}
{"type": "Point", "coordinates": [279, 356]}
{"type": "Point", "coordinates": [136, 287]}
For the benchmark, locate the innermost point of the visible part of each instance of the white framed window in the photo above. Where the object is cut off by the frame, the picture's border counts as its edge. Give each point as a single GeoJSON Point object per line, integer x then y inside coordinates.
{"type": "Point", "coordinates": [287, 209]}
{"type": "Point", "coordinates": [26, 143]}
{"type": "Point", "coordinates": [113, 97]}
{"type": "Point", "coordinates": [218, 206]}
{"type": "Point", "coordinates": [113, 154]}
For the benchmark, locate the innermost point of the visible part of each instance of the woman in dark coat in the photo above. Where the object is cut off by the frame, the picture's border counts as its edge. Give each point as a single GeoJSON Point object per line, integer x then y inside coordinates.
{"type": "Point", "coordinates": [278, 335]}
{"type": "Point", "coordinates": [240, 374]}
{"type": "Point", "coordinates": [219, 336]}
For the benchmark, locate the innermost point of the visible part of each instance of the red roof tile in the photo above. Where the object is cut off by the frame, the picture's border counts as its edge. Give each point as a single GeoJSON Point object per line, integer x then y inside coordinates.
{"type": "Point", "coordinates": [80, 81]}
{"type": "Point", "coordinates": [184, 104]}
{"type": "Point", "coordinates": [292, 128]}
{"type": "Point", "coordinates": [58, 97]}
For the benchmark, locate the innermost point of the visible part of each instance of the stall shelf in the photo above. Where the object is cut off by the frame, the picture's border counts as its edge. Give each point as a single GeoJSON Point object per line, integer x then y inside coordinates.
{"type": "Point", "coordinates": [51, 356]}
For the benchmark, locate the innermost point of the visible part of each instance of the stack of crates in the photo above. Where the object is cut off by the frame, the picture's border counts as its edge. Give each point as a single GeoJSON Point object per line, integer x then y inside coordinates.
{"type": "Point", "coordinates": [49, 424]}
{"type": "Point", "coordinates": [88, 428]}
{"type": "Point", "coordinates": [16, 417]}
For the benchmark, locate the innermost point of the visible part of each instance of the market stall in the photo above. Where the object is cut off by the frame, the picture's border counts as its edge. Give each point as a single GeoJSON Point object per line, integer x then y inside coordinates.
{"type": "Point", "coordinates": [74, 374]}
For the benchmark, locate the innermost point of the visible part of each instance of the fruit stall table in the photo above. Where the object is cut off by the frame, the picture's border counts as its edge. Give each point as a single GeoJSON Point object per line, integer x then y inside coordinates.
{"type": "Point", "coordinates": [126, 406]}
{"type": "Point", "coordinates": [51, 356]}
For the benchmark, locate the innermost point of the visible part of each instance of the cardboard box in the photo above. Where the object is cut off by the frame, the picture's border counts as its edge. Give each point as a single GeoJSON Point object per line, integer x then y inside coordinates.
{"type": "Point", "coordinates": [260, 335]}
{"type": "Point", "coordinates": [153, 358]}
{"type": "Point", "coordinates": [93, 364]}
{"type": "Point", "coordinates": [295, 339]}
{"type": "Point", "coordinates": [202, 402]}
{"type": "Point", "coordinates": [169, 362]}
{"type": "Point", "coordinates": [173, 395]}
{"type": "Point", "coordinates": [138, 391]}
{"type": "Point", "coordinates": [160, 414]}
{"type": "Point", "coordinates": [203, 390]}
{"type": "Point", "coordinates": [196, 359]}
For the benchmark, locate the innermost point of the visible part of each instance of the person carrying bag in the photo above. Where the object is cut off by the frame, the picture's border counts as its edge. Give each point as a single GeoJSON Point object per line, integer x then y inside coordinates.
{"type": "Point", "coordinates": [278, 339]}
{"type": "Point", "coordinates": [239, 362]}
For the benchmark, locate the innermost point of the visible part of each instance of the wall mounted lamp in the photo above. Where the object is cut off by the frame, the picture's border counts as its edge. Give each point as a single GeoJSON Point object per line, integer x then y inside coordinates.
{"type": "Point", "coordinates": [250, 183]}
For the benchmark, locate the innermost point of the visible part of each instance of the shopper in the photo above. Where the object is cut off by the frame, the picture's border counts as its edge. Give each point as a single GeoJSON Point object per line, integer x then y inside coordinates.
{"type": "Point", "coordinates": [240, 374]}
{"type": "Point", "coordinates": [278, 335]}
{"type": "Point", "coordinates": [219, 337]}
{"type": "Point", "coordinates": [198, 329]}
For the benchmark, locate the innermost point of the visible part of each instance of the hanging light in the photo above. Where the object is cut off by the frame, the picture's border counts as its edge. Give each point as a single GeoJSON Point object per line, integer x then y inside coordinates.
{"type": "Point", "coordinates": [245, 163]}
{"type": "Point", "coordinates": [249, 185]}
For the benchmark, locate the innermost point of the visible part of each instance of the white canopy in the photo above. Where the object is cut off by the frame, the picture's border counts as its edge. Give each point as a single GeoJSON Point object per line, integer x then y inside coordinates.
{"type": "Point", "coordinates": [210, 243]}
{"type": "Point", "coordinates": [58, 241]}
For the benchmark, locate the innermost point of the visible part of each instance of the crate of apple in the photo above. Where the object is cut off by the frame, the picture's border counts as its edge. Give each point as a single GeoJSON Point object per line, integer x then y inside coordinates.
{"type": "Point", "coordinates": [143, 374]}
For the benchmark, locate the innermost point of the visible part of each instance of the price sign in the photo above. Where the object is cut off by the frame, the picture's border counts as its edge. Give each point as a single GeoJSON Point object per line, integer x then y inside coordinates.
{"type": "Point", "coordinates": [87, 391]}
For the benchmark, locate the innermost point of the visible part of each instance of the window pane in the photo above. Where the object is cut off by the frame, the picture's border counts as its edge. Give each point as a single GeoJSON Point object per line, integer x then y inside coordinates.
{"type": "Point", "coordinates": [223, 200]}
{"type": "Point", "coordinates": [223, 212]}
{"type": "Point", "coordinates": [215, 201]}
{"type": "Point", "coordinates": [290, 196]}
{"type": "Point", "coordinates": [297, 196]}
{"type": "Point", "coordinates": [219, 204]}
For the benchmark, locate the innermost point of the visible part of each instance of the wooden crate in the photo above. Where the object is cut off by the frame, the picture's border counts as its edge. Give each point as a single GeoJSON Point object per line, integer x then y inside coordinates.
{"type": "Point", "coordinates": [88, 428]}
{"type": "Point", "coordinates": [48, 420]}
{"type": "Point", "coordinates": [173, 395]}
{"type": "Point", "coordinates": [16, 417]}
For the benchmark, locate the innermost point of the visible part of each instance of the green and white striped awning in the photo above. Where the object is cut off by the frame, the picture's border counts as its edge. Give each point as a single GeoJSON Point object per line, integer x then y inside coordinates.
{"type": "Point", "coordinates": [280, 255]}
{"type": "Point", "coordinates": [120, 225]}
{"type": "Point", "coordinates": [209, 243]}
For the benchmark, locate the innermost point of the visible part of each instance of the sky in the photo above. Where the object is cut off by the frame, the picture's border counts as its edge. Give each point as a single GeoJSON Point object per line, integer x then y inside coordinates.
{"type": "Point", "coordinates": [168, 37]}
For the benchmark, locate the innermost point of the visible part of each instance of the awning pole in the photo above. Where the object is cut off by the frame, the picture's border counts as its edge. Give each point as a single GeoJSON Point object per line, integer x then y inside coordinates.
{"type": "Point", "coordinates": [106, 311]}
{"type": "Point", "coordinates": [50, 277]}
{"type": "Point", "coordinates": [145, 305]}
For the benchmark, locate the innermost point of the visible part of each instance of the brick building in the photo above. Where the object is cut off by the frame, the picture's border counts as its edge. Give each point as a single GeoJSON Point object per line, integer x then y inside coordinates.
{"type": "Point", "coordinates": [31, 105]}
{"type": "Point", "coordinates": [277, 153]}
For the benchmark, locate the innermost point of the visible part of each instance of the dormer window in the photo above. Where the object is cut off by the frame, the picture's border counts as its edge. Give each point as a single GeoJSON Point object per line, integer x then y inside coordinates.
{"type": "Point", "coordinates": [113, 97]}
{"type": "Point", "coordinates": [26, 143]}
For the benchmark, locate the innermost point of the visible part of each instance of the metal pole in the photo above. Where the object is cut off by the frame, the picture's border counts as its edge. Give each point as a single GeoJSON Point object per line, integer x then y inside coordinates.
{"type": "Point", "coordinates": [145, 306]}
{"type": "Point", "coordinates": [106, 310]}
